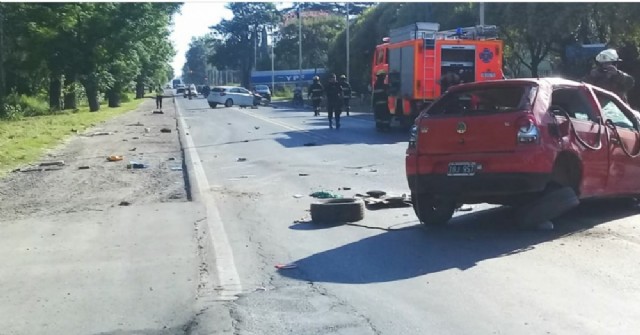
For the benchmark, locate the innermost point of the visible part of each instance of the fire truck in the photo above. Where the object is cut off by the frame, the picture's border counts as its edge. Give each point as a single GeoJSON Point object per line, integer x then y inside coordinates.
{"type": "Point", "coordinates": [416, 56]}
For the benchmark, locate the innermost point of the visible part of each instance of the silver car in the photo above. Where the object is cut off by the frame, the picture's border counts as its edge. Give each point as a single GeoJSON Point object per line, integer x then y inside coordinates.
{"type": "Point", "coordinates": [230, 96]}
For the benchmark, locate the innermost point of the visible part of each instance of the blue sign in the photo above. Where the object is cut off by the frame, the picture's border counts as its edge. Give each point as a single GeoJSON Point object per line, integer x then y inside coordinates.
{"type": "Point", "coordinates": [486, 55]}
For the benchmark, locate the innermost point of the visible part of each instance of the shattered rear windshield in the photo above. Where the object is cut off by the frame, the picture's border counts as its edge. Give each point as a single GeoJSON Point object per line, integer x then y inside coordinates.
{"type": "Point", "coordinates": [486, 100]}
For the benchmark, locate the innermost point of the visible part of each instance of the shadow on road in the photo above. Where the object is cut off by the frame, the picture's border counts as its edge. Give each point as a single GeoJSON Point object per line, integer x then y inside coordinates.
{"type": "Point", "coordinates": [470, 239]}
{"type": "Point", "coordinates": [344, 136]}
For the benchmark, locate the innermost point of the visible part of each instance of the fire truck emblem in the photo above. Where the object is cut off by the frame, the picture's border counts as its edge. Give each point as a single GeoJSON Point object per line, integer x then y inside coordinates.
{"type": "Point", "coordinates": [486, 55]}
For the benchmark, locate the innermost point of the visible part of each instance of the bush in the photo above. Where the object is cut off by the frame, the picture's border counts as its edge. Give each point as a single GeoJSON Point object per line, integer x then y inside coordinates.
{"type": "Point", "coordinates": [18, 105]}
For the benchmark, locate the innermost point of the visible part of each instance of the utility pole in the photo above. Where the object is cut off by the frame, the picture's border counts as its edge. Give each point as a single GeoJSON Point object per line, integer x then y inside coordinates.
{"type": "Point", "coordinates": [255, 48]}
{"type": "Point", "coordinates": [299, 43]}
{"type": "Point", "coordinates": [482, 13]}
{"type": "Point", "coordinates": [348, 77]}
{"type": "Point", "coordinates": [273, 76]}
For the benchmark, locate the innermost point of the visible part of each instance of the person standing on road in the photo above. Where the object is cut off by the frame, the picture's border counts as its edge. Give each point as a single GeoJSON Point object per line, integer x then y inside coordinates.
{"type": "Point", "coordinates": [607, 76]}
{"type": "Point", "coordinates": [450, 79]}
{"type": "Point", "coordinates": [346, 92]}
{"type": "Point", "coordinates": [380, 102]}
{"type": "Point", "coordinates": [159, 96]}
{"type": "Point", "coordinates": [315, 93]}
{"type": "Point", "coordinates": [335, 99]}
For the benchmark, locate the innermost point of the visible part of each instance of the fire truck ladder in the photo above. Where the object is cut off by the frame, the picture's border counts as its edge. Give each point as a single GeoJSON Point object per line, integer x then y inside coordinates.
{"type": "Point", "coordinates": [486, 32]}
{"type": "Point", "coordinates": [429, 68]}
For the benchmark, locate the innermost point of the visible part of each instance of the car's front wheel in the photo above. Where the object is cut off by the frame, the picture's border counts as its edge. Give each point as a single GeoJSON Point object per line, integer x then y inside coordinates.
{"type": "Point", "coordinates": [433, 210]}
{"type": "Point", "coordinates": [228, 103]}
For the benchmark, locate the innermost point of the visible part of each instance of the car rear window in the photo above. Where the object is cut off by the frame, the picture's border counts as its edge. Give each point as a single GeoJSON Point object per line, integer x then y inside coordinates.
{"type": "Point", "coordinates": [218, 89]}
{"type": "Point", "coordinates": [487, 100]}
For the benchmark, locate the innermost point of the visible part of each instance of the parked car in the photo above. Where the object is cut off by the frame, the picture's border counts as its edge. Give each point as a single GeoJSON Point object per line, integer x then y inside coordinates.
{"type": "Point", "coordinates": [180, 89]}
{"type": "Point", "coordinates": [230, 96]}
{"type": "Point", "coordinates": [194, 91]}
{"type": "Point", "coordinates": [513, 141]}
{"type": "Point", "coordinates": [263, 91]}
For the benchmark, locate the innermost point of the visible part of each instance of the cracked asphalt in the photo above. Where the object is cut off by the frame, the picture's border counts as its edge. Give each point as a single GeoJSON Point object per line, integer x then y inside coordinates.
{"type": "Point", "coordinates": [385, 274]}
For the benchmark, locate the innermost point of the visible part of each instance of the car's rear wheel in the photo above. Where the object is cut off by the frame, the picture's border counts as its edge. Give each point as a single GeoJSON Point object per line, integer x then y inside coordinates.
{"type": "Point", "coordinates": [228, 103]}
{"type": "Point", "coordinates": [213, 105]}
{"type": "Point", "coordinates": [433, 210]}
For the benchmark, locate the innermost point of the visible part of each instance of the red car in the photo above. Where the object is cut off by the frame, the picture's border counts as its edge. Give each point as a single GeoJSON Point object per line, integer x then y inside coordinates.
{"type": "Point", "coordinates": [511, 141]}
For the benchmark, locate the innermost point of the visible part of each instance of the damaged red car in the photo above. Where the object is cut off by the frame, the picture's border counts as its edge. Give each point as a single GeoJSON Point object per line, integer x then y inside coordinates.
{"type": "Point", "coordinates": [512, 142]}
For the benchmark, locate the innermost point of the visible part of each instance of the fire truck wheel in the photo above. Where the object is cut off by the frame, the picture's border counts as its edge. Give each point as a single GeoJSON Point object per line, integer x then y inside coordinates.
{"type": "Point", "coordinates": [338, 211]}
{"type": "Point", "coordinates": [433, 211]}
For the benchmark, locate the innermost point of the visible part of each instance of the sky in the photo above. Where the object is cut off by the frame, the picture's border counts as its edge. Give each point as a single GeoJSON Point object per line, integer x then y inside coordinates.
{"type": "Point", "coordinates": [194, 20]}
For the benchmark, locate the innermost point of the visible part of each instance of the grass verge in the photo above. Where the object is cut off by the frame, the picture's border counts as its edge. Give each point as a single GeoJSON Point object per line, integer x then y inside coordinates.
{"type": "Point", "coordinates": [24, 141]}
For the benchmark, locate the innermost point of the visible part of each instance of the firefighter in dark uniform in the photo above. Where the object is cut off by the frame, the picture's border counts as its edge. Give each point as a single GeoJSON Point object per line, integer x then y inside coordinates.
{"type": "Point", "coordinates": [450, 79]}
{"type": "Point", "coordinates": [335, 99]}
{"type": "Point", "coordinates": [346, 92]}
{"type": "Point", "coordinates": [607, 76]}
{"type": "Point", "coordinates": [380, 102]}
{"type": "Point", "coordinates": [315, 93]}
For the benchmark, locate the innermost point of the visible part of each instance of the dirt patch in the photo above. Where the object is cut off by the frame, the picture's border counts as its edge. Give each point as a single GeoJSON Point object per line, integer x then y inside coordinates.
{"type": "Point", "coordinates": [88, 181]}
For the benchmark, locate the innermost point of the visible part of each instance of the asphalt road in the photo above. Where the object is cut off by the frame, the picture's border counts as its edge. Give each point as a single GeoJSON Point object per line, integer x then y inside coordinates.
{"type": "Point", "coordinates": [386, 274]}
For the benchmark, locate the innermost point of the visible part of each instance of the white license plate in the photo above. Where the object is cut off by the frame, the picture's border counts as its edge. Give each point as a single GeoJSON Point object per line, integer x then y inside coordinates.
{"type": "Point", "coordinates": [462, 169]}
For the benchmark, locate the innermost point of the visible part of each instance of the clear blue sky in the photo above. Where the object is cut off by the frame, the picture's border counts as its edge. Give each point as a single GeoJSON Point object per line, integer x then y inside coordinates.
{"type": "Point", "coordinates": [193, 21]}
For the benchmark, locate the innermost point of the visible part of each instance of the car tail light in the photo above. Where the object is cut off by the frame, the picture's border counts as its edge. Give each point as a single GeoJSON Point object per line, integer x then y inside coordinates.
{"type": "Point", "coordinates": [413, 136]}
{"type": "Point", "coordinates": [527, 130]}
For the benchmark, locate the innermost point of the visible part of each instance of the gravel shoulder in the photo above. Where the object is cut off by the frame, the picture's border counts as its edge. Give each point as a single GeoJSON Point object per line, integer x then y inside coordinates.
{"type": "Point", "coordinates": [88, 182]}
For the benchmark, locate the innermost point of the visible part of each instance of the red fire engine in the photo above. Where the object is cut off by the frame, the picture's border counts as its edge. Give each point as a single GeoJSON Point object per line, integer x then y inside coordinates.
{"type": "Point", "coordinates": [415, 57]}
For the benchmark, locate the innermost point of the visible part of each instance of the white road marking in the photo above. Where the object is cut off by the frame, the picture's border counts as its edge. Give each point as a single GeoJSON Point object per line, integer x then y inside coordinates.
{"type": "Point", "coordinates": [228, 278]}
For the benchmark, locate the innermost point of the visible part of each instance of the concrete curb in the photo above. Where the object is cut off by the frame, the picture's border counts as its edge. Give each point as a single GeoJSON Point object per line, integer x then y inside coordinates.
{"type": "Point", "coordinates": [193, 194]}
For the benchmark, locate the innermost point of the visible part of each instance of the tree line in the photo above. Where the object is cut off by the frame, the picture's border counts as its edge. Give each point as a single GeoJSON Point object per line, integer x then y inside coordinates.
{"type": "Point", "coordinates": [65, 52]}
{"type": "Point", "coordinates": [532, 32]}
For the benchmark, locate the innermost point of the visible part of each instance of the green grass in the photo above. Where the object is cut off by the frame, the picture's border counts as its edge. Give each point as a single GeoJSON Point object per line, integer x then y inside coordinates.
{"type": "Point", "coordinates": [24, 141]}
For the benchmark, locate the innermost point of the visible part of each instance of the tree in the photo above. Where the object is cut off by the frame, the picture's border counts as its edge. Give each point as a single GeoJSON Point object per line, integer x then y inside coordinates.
{"type": "Point", "coordinates": [241, 34]}
{"type": "Point", "coordinates": [195, 67]}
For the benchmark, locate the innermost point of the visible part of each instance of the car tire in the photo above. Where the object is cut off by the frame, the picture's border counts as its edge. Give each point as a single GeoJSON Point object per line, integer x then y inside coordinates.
{"type": "Point", "coordinates": [376, 194]}
{"type": "Point", "coordinates": [549, 206]}
{"type": "Point", "coordinates": [338, 211]}
{"type": "Point", "coordinates": [213, 105]}
{"type": "Point", "coordinates": [433, 211]}
{"type": "Point", "coordinates": [228, 103]}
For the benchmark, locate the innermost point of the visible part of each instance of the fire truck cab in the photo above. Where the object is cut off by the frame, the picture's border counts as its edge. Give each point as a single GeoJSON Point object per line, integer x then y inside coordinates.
{"type": "Point", "coordinates": [416, 56]}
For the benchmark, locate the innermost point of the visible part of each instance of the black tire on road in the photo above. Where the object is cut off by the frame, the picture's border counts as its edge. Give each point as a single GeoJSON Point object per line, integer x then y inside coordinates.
{"type": "Point", "coordinates": [432, 210]}
{"type": "Point", "coordinates": [549, 206]}
{"type": "Point", "coordinates": [213, 105]}
{"type": "Point", "coordinates": [376, 193]}
{"type": "Point", "coordinates": [228, 103]}
{"type": "Point", "coordinates": [338, 211]}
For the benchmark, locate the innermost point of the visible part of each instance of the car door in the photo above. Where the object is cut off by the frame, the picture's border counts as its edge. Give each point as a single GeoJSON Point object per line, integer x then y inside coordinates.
{"type": "Point", "coordinates": [247, 97]}
{"type": "Point", "coordinates": [624, 139]}
{"type": "Point", "coordinates": [575, 107]}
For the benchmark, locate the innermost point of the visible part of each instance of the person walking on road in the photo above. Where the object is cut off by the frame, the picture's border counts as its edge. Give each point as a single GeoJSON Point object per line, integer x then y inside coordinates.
{"type": "Point", "coordinates": [607, 76]}
{"type": "Point", "coordinates": [159, 96]}
{"type": "Point", "coordinates": [335, 99]}
{"type": "Point", "coordinates": [346, 92]}
{"type": "Point", "coordinates": [380, 102]}
{"type": "Point", "coordinates": [315, 93]}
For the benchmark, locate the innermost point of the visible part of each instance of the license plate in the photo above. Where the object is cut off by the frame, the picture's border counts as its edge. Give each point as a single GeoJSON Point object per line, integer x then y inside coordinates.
{"type": "Point", "coordinates": [462, 169]}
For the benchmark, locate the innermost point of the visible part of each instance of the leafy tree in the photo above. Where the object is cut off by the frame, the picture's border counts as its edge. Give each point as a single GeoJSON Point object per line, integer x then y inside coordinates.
{"type": "Point", "coordinates": [195, 68]}
{"type": "Point", "coordinates": [241, 34]}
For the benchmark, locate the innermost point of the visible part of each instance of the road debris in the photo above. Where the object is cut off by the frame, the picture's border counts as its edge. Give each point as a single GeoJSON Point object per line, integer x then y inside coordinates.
{"type": "Point", "coordinates": [136, 137]}
{"type": "Point", "coordinates": [124, 203]}
{"type": "Point", "coordinates": [136, 165]}
{"type": "Point", "coordinates": [38, 169]}
{"type": "Point", "coordinates": [133, 149]}
{"type": "Point", "coordinates": [83, 167]}
{"type": "Point", "coordinates": [165, 130]}
{"type": "Point", "coordinates": [346, 188]}
{"type": "Point", "coordinates": [54, 163]}
{"type": "Point", "coordinates": [115, 158]}
{"type": "Point", "coordinates": [376, 193]}
{"type": "Point", "coordinates": [324, 195]}
{"type": "Point", "coordinates": [286, 266]}
{"type": "Point", "coordinates": [373, 170]}
{"type": "Point", "coordinates": [303, 174]}
{"type": "Point", "coordinates": [102, 133]}
{"type": "Point", "coordinates": [172, 158]}
{"type": "Point", "coordinates": [158, 112]}
{"type": "Point", "coordinates": [298, 196]}
{"type": "Point", "coordinates": [241, 159]}
{"type": "Point", "coordinates": [176, 168]}
{"type": "Point", "coordinates": [256, 127]}
{"type": "Point", "coordinates": [138, 124]}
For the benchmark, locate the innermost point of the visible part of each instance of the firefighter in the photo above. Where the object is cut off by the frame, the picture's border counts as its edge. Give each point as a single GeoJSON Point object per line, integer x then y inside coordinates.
{"type": "Point", "coordinates": [380, 101]}
{"type": "Point", "coordinates": [315, 93]}
{"type": "Point", "coordinates": [335, 99]}
{"type": "Point", "coordinates": [346, 92]}
{"type": "Point", "coordinates": [449, 79]}
{"type": "Point", "coordinates": [607, 76]}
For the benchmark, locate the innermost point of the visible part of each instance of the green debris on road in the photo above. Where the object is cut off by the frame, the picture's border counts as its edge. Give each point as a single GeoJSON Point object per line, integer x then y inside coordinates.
{"type": "Point", "coordinates": [325, 195]}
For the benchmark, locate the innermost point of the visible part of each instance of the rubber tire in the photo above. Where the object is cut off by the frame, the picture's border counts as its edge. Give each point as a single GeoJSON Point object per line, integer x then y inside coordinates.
{"type": "Point", "coordinates": [432, 213]}
{"type": "Point", "coordinates": [228, 103]}
{"type": "Point", "coordinates": [338, 211]}
{"type": "Point", "coordinates": [376, 194]}
{"type": "Point", "coordinates": [213, 105]}
{"type": "Point", "coordinates": [550, 205]}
